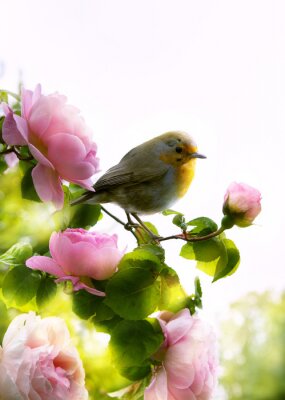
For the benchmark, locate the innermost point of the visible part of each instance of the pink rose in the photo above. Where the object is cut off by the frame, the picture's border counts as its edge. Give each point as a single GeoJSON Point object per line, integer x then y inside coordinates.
{"type": "Point", "coordinates": [188, 356]}
{"type": "Point", "coordinates": [242, 204]}
{"type": "Point", "coordinates": [79, 253]}
{"type": "Point", "coordinates": [39, 362]}
{"type": "Point", "coordinates": [59, 140]}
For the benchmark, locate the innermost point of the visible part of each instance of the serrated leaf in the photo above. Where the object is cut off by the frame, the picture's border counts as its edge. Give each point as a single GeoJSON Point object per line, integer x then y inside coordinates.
{"type": "Point", "coordinates": [46, 291]}
{"type": "Point", "coordinates": [132, 343]}
{"type": "Point", "coordinates": [20, 285]}
{"type": "Point", "coordinates": [27, 187]}
{"type": "Point", "coordinates": [133, 293]}
{"type": "Point", "coordinates": [85, 215]}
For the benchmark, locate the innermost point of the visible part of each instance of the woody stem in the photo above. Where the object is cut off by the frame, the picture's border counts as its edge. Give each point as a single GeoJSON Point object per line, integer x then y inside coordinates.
{"type": "Point", "coordinates": [188, 238]}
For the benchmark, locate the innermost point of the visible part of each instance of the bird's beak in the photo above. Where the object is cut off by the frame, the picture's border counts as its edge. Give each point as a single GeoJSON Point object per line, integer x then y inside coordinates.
{"type": "Point", "coordinates": [196, 155]}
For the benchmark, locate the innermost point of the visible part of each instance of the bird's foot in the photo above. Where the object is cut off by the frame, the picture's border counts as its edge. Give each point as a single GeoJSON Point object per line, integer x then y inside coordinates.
{"type": "Point", "coordinates": [129, 226]}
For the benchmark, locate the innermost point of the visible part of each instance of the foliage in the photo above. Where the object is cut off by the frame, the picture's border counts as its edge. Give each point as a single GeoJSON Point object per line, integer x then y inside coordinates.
{"type": "Point", "coordinates": [142, 284]}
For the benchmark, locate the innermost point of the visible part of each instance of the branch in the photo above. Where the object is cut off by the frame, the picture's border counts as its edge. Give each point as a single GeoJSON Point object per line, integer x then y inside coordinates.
{"type": "Point", "coordinates": [183, 236]}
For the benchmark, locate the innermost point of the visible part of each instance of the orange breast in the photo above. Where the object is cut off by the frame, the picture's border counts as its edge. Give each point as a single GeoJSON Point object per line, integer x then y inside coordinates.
{"type": "Point", "coordinates": [184, 176]}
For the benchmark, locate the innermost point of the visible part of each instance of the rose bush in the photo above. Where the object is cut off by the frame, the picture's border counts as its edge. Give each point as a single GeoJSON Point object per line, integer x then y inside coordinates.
{"type": "Point", "coordinates": [57, 137]}
{"type": "Point", "coordinates": [188, 355]}
{"type": "Point", "coordinates": [77, 253]}
{"type": "Point", "coordinates": [242, 204]}
{"type": "Point", "coordinates": [39, 362]}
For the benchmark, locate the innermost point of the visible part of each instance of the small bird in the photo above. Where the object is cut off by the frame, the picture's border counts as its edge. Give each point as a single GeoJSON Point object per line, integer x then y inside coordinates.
{"type": "Point", "coordinates": [150, 177]}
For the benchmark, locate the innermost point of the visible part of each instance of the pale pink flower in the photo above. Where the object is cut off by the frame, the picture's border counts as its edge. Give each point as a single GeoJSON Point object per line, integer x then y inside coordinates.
{"type": "Point", "coordinates": [39, 362]}
{"type": "Point", "coordinates": [242, 204]}
{"type": "Point", "coordinates": [78, 253]}
{"type": "Point", "coordinates": [188, 369]}
{"type": "Point", "coordinates": [11, 160]}
{"type": "Point", "coordinates": [59, 140]}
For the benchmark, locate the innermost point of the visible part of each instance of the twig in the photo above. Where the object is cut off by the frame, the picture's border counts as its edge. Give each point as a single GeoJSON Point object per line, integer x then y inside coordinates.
{"type": "Point", "coordinates": [125, 225]}
{"type": "Point", "coordinates": [188, 238]}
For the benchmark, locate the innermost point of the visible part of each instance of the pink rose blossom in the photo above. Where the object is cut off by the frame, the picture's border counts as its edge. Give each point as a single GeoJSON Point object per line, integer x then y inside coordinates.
{"type": "Point", "coordinates": [39, 362]}
{"type": "Point", "coordinates": [77, 253]}
{"type": "Point", "coordinates": [242, 204]}
{"type": "Point", "coordinates": [59, 140]}
{"type": "Point", "coordinates": [189, 363]}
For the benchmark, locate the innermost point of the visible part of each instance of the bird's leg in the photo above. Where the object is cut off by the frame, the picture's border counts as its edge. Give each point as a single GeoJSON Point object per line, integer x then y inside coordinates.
{"type": "Point", "coordinates": [130, 224]}
{"type": "Point", "coordinates": [145, 228]}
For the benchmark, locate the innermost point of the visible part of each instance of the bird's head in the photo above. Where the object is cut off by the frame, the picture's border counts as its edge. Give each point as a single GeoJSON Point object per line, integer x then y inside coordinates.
{"type": "Point", "coordinates": [177, 148]}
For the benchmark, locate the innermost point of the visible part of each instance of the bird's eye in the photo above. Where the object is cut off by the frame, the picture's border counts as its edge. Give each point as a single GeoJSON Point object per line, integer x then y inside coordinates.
{"type": "Point", "coordinates": [178, 150]}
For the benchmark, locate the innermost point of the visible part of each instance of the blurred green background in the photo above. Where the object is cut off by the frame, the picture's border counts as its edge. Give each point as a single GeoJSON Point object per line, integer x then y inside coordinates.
{"type": "Point", "coordinates": [252, 334]}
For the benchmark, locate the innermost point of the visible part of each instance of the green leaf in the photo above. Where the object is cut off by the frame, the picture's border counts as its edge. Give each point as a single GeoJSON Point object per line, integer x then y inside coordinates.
{"type": "Point", "coordinates": [46, 291]}
{"type": "Point", "coordinates": [170, 212]}
{"type": "Point", "coordinates": [143, 236]}
{"type": "Point", "coordinates": [3, 96]}
{"type": "Point", "coordinates": [3, 166]}
{"type": "Point", "coordinates": [85, 216]}
{"type": "Point", "coordinates": [27, 187]}
{"type": "Point", "coordinates": [156, 250]}
{"type": "Point", "coordinates": [133, 293]}
{"type": "Point", "coordinates": [198, 288]}
{"type": "Point", "coordinates": [17, 254]}
{"type": "Point", "coordinates": [173, 297]}
{"type": "Point", "coordinates": [132, 344]}
{"type": "Point", "coordinates": [20, 285]}
{"type": "Point", "coordinates": [233, 260]}
{"type": "Point", "coordinates": [141, 258]}
{"type": "Point", "coordinates": [206, 250]}
{"type": "Point", "coordinates": [107, 325]}
{"type": "Point", "coordinates": [203, 224]}
{"type": "Point", "coordinates": [85, 304]}
{"type": "Point", "coordinates": [187, 251]}
{"type": "Point", "coordinates": [179, 220]}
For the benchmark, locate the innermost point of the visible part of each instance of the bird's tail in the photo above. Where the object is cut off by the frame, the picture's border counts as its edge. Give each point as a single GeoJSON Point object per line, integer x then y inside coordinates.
{"type": "Point", "coordinates": [83, 199]}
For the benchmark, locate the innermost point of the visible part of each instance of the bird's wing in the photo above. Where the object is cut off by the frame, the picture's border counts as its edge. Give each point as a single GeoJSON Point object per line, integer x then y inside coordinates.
{"type": "Point", "coordinates": [129, 174]}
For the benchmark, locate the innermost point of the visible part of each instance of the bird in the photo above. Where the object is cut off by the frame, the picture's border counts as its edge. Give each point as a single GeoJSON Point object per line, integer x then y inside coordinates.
{"type": "Point", "coordinates": [149, 178]}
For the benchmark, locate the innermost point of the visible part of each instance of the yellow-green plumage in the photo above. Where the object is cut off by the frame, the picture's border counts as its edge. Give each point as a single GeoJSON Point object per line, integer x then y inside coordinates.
{"type": "Point", "coordinates": [150, 177]}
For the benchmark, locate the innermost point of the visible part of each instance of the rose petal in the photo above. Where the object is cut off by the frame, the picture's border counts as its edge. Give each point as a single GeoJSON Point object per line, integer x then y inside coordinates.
{"type": "Point", "coordinates": [11, 133]}
{"type": "Point", "coordinates": [48, 185]}
{"type": "Point", "coordinates": [45, 264]}
{"type": "Point", "coordinates": [67, 154]}
{"type": "Point", "coordinates": [157, 390]}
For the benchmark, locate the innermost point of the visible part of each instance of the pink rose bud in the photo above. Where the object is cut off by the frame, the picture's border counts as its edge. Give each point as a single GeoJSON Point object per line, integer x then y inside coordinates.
{"type": "Point", "coordinates": [38, 361]}
{"type": "Point", "coordinates": [59, 140]}
{"type": "Point", "coordinates": [241, 204]}
{"type": "Point", "coordinates": [188, 359]}
{"type": "Point", "coordinates": [78, 253]}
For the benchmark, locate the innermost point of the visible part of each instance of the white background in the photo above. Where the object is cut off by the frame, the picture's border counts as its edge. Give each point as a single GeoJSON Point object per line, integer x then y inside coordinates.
{"type": "Point", "coordinates": [139, 68]}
